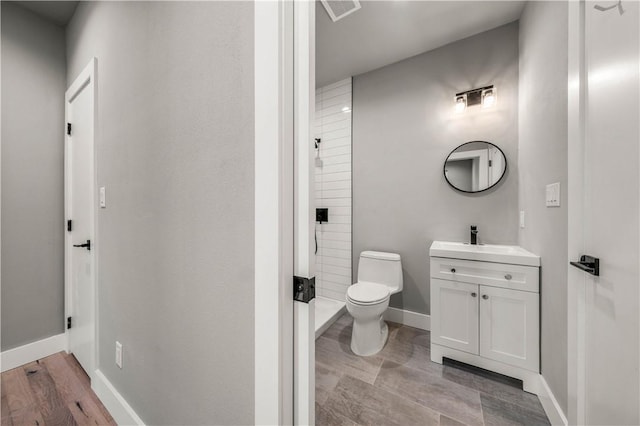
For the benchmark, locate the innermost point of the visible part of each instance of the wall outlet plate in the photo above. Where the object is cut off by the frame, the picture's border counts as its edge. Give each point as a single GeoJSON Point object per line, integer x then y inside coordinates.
{"type": "Point", "coordinates": [553, 195]}
{"type": "Point", "coordinates": [103, 197]}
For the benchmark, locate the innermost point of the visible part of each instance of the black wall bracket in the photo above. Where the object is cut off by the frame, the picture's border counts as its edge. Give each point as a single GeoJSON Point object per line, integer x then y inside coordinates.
{"type": "Point", "coordinates": [588, 264]}
{"type": "Point", "coordinates": [304, 289]}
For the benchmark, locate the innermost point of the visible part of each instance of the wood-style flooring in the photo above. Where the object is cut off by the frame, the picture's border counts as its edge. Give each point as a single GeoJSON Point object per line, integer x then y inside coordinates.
{"type": "Point", "coordinates": [401, 386]}
{"type": "Point", "coordinates": [51, 391]}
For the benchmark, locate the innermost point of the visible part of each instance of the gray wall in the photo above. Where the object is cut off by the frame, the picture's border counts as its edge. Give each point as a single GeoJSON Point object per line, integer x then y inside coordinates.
{"type": "Point", "coordinates": [176, 241]}
{"type": "Point", "coordinates": [404, 126]}
{"type": "Point", "coordinates": [33, 86]}
{"type": "Point", "coordinates": [543, 160]}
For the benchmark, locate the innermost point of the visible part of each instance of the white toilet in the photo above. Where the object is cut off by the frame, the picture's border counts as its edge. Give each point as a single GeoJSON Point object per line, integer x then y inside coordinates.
{"type": "Point", "coordinates": [379, 276]}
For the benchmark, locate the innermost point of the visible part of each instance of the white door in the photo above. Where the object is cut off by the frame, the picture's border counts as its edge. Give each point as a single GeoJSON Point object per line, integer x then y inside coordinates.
{"type": "Point", "coordinates": [79, 206]}
{"type": "Point", "coordinates": [454, 315]}
{"type": "Point", "coordinates": [604, 323]}
{"type": "Point", "coordinates": [509, 330]}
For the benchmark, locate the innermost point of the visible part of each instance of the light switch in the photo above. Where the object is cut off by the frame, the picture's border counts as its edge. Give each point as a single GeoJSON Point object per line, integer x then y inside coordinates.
{"type": "Point", "coordinates": [521, 218]}
{"type": "Point", "coordinates": [103, 197]}
{"type": "Point", "coordinates": [553, 195]}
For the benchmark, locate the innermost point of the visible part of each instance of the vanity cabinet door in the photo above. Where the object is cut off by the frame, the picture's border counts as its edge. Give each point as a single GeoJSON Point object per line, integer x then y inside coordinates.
{"type": "Point", "coordinates": [454, 315]}
{"type": "Point", "coordinates": [509, 326]}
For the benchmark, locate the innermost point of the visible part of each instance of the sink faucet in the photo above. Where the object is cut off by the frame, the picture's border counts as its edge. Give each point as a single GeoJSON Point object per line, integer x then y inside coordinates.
{"type": "Point", "coordinates": [474, 235]}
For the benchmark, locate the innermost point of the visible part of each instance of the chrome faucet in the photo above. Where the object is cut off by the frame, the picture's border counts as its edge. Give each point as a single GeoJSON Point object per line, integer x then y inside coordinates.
{"type": "Point", "coordinates": [474, 235]}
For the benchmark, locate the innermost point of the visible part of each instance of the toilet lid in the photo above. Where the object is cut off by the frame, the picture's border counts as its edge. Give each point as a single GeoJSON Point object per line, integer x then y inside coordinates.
{"type": "Point", "coordinates": [364, 292]}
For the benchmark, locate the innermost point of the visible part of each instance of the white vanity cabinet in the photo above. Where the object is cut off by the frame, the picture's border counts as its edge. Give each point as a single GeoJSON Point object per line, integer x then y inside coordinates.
{"type": "Point", "coordinates": [487, 313]}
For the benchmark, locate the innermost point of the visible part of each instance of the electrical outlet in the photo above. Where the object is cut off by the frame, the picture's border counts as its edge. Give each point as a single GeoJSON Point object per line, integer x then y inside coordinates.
{"type": "Point", "coordinates": [119, 354]}
{"type": "Point", "coordinates": [103, 197]}
{"type": "Point", "coordinates": [521, 218]}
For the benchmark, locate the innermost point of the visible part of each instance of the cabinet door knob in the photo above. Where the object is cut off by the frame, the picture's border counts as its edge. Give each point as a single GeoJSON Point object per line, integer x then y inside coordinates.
{"type": "Point", "coordinates": [485, 297]}
{"type": "Point", "coordinates": [453, 270]}
{"type": "Point", "coordinates": [473, 294]}
{"type": "Point", "coordinates": [508, 277]}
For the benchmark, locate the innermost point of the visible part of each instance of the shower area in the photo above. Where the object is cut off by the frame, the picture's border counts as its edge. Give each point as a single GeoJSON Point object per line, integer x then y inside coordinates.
{"type": "Point", "coordinates": [333, 201]}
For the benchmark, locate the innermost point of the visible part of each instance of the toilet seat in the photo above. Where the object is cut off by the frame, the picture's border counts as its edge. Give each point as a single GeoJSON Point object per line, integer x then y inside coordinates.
{"type": "Point", "coordinates": [366, 293]}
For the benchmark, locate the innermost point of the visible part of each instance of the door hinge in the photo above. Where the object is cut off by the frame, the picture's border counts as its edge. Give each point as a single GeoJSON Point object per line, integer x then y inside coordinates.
{"type": "Point", "coordinates": [68, 323]}
{"type": "Point", "coordinates": [69, 129]}
{"type": "Point", "coordinates": [69, 225]}
{"type": "Point", "coordinates": [304, 289]}
{"type": "Point", "coordinates": [490, 163]}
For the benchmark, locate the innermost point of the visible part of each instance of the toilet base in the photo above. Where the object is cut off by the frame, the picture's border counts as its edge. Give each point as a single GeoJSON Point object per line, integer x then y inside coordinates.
{"type": "Point", "coordinates": [369, 337]}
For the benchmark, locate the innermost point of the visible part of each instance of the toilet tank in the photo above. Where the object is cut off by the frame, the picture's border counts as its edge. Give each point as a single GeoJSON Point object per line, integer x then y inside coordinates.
{"type": "Point", "coordinates": [381, 268]}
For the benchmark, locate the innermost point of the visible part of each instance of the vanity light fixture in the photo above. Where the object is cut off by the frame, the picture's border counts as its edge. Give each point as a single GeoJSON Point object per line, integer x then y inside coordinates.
{"type": "Point", "coordinates": [485, 96]}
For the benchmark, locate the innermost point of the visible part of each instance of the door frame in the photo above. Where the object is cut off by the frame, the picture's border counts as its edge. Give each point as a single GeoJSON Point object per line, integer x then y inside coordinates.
{"type": "Point", "coordinates": [284, 79]}
{"type": "Point", "coordinates": [85, 80]}
{"type": "Point", "coordinates": [273, 250]}
{"type": "Point", "coordinates": [576, 280]}
{"type": "Point", "coordinates": [304, 78]}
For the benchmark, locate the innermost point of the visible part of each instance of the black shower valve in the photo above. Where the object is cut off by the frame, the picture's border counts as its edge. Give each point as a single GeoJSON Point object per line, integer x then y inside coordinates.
{"type": "Point", "coordinates": [322, 215]}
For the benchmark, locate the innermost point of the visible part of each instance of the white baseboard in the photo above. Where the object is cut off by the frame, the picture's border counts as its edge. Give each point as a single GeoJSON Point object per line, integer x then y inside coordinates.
{"type": "Point", "coordinates": [25, 354]}
{"type": "Point", "coordinates": [412, 319]}
{"type": "Point", "coordinates": [117, 406]}
{"type": "Point", "coordinates": [550, 404]}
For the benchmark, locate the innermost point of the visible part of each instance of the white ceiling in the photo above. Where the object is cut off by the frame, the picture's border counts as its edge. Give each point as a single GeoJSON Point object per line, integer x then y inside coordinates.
{"type": "Point", "coordinates": [384, 32]}
{"type": "Point", "coordinates": [58, 12]}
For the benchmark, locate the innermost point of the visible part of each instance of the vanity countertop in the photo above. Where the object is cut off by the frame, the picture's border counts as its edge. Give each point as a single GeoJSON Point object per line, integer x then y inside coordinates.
{"type": "Point", "coordinates": [514, 255]}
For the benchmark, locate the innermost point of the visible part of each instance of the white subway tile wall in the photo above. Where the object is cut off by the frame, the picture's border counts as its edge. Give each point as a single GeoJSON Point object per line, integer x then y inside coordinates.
{"type": "Point", "coordinates": [333, 189]}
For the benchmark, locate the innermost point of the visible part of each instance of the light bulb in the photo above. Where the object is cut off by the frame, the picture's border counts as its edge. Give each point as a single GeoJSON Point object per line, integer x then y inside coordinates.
{"type": "Point", "coordinates": [461, 104]}
{"type": "Point", "coordinates": [488, 99]}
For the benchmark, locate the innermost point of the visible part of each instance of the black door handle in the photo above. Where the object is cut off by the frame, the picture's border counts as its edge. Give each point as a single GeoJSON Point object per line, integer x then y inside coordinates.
{"type": "Point", "coordinates": [87, 245]}
{"type": "Point", "coordinates": [588, 264]}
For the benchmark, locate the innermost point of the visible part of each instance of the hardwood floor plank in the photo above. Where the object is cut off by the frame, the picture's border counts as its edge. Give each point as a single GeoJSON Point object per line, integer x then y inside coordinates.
{"type": "Point", "coordinates": [86, 412]}
{"type": "Point", "coordinates": [6, 413]}
{"type": "Point", "coordinates": [75, 387]}
{"type": "Point", "coordinates": [52, 391]}
{"type": "Point", "coordinates": [84, 378]}
{"type": "Point", "coordinates": [44, 390]}
{"type": "Point", "coordinates": [27, 416]}
{"type": "Point", "coordinates": [17, 390]}
{"type": "Point", "coordinates": [61, 416]}
{"type": "Point", "coordinates": [66, 381]}
{"type": "Point", "coordinates": [71, 360]}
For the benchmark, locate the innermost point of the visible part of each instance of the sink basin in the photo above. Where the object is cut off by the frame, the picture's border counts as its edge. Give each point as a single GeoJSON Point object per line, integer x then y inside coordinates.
{"type": "Point", "coordinates": [514, 255]}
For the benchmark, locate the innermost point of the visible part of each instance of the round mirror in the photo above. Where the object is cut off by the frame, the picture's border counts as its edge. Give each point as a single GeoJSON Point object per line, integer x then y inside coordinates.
{"type": "Point", "coordinates": [475, 166]}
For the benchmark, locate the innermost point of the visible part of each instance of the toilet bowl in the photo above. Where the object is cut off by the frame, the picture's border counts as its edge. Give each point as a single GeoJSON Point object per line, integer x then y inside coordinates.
{"type": "Point", "coordinates": [379, 276]}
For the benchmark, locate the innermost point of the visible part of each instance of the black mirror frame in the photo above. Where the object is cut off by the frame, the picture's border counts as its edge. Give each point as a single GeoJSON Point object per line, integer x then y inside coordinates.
{"type": "Point", "coordinates": [444, 168]}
